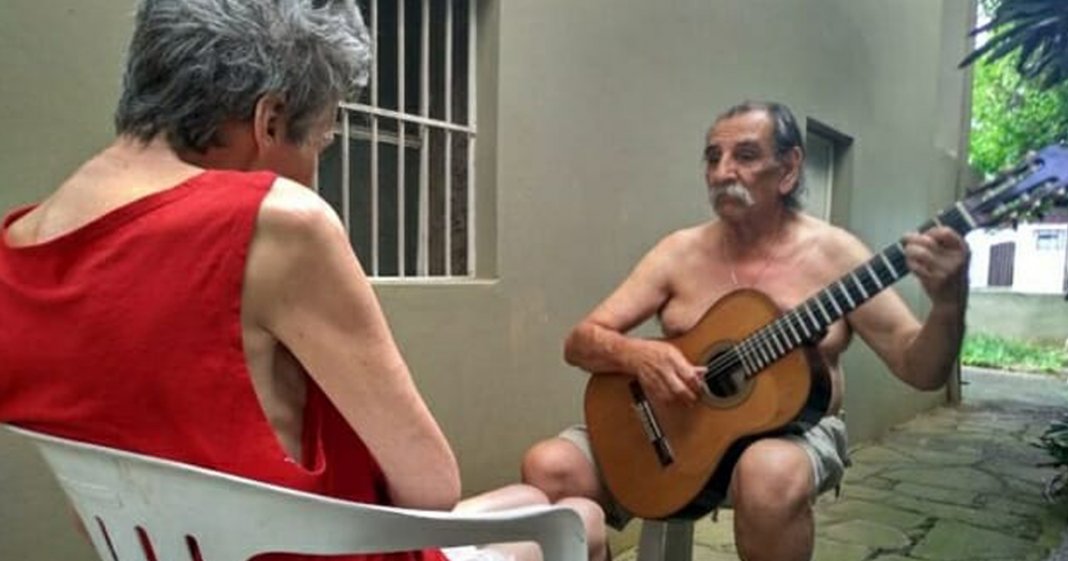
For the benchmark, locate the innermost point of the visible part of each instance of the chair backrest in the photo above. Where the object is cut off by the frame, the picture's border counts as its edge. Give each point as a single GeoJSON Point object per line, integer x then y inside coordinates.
{"type": "Point", "coordinates": [137, 507]}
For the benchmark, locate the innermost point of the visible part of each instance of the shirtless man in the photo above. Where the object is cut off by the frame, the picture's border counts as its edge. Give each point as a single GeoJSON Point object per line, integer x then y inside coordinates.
{"type": "Point", "coordinates": [761, 240]}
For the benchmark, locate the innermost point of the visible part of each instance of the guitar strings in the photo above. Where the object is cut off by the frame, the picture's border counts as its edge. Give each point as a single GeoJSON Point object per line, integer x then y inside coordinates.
{"type": "Point", "coordinates": [745, 352]}
{"type": "Point", "coordinates": [737, 355]}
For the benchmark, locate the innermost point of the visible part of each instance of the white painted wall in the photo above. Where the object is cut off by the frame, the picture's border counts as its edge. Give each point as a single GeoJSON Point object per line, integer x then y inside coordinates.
{"type": "Point", "coordinates": [1035, 270]}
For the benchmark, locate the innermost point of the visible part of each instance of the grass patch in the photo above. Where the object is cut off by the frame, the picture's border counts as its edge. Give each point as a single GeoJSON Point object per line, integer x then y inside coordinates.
{"type": "Point", "coordinates": [992, 351]}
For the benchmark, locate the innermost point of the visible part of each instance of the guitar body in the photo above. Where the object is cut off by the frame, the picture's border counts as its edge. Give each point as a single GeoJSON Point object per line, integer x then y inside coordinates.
{"type": "Point", "coordinates": [704, 441]}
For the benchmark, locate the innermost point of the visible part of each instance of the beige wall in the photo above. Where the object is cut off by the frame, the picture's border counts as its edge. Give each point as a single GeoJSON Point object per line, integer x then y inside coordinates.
{"type": "Point", "coordinates": [591, 123]}
{"type": "Point", "coordinates": [601, 108]}
{"type": "Point", "coordinates": [59, 77]}
{"type": "Point", "coordinates": [1030, 317]}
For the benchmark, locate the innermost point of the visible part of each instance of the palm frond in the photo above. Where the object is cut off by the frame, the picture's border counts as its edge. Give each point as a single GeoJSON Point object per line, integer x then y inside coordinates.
{"type": "Point", "coordinates": [1035, 32]}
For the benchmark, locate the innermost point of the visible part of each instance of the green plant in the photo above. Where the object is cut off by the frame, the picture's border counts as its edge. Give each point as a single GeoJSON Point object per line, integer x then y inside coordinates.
{"type": "Point", "coordinates": [1035, 32]}
{"type": "Point", "coordinates": [1055, 442]}
{"type": "Point", "coordinates": [983, 349]}
{"type": "Point", "coordinates": [1020, 86]}
{"type": "Point", "coordinates": [1011, 117]}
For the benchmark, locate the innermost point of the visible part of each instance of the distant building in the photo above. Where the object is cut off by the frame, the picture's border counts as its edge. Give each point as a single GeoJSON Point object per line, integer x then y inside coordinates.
{"type": "Point", "coordinates": [1032, 258]}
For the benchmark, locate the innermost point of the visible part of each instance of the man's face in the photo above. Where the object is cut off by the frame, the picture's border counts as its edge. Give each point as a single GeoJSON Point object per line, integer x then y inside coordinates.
{"type": "Point", "coordinates": [741, 168]}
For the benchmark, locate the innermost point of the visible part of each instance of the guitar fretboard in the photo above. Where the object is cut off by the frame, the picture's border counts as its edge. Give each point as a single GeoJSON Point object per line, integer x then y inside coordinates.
{"type": "Point", "coordinates": [808, 322]}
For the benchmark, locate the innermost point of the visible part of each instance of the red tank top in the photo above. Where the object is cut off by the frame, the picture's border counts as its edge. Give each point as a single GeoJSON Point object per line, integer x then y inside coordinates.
{"type": "Point", "coordinates": [126, 332]}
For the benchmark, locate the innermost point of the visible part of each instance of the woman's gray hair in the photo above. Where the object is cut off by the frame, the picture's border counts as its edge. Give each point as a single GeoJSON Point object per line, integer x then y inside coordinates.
{"type": "Point", "coordinates": [194, 64]}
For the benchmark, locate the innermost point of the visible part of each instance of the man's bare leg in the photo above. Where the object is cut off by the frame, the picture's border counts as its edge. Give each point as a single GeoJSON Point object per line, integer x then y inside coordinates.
{"type": "Point", "coordinates": [560, 469]}
{"type": "Point", "coordinates": [771, 492]}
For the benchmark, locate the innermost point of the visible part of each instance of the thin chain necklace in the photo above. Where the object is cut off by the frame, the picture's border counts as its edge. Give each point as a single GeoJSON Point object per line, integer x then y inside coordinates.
{"type": "Point", "coordinates": [766, 257]}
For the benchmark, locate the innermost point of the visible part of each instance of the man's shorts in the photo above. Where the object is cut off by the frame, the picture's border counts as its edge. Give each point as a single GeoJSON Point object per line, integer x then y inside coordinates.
{"type": "Point", "coordinates": [825, 443]}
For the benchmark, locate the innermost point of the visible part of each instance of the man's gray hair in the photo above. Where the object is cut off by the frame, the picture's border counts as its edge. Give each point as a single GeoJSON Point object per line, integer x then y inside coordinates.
{"type": "Point", "coordinates": [194, 64]}
{"type": "Point", "coordinates": [786, 136]}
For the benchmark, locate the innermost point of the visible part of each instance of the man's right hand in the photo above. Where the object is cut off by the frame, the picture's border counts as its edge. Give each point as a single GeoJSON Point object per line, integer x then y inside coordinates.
{"type": "Point", "coordinates": [664, 372]}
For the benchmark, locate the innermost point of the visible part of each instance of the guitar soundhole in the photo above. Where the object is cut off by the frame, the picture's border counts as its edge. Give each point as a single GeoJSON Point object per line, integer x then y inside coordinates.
{"type": "Point", "coordinates": [726, 377]}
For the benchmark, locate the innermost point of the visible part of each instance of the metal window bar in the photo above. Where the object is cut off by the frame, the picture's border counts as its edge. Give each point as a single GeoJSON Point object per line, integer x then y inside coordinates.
{"type": "Point", "coordinates": [346, 194]}
{"type": "Point", "coordinates": [401, 107]}
{"type": "Point", "coordinates": [447, 223]}
{"type": "Point", "coordinates": [471, 97]}
{"type": "Point", "coordinates": [374, 145]}
{"type": "Point", "coordinates": [427, 125]}
{"type": "Point", "coordinates": [423, 249]}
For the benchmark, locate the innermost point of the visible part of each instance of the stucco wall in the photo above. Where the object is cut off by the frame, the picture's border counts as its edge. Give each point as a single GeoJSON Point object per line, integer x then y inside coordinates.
{"type": "Point", "coordinates": [60, 64]}
{"type": "Point", "coordinates": [1031, 317]}
{"type": "Point", "coordinates": [600, 115]}
{"type": "Point", "coordinates": [591, 123]}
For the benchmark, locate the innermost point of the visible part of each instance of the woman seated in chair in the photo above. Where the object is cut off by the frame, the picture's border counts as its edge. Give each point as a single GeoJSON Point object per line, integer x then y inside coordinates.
{"type": "Point", "coordinates": [184, 294]}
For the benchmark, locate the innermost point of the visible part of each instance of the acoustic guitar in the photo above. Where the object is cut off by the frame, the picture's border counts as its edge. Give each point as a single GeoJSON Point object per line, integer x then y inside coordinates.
{"type": "Point", "coordinates": [662, 461]}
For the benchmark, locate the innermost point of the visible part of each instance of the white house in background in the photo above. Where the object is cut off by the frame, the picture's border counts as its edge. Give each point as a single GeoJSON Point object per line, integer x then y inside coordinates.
{"type": "Point", "coordinates": [1031, 258]}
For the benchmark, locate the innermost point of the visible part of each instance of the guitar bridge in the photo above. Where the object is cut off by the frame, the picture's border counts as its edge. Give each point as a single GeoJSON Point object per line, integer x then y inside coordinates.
{"type": "Point", "coordinates": [651, 427]}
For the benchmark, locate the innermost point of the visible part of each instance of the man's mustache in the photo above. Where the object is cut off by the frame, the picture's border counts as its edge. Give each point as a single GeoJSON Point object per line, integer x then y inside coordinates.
{"type": "Point", "coordinates": [733, 190]}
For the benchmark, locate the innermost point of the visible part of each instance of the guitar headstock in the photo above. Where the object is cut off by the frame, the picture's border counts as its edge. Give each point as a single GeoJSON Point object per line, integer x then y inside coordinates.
{"type": "Point", "coordinates": [1040, 180]}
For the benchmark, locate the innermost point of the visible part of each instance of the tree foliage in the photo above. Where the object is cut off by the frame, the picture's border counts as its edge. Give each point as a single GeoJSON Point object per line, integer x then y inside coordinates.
{"type": "Point", "coordinates": [1020, 88]}
{"type": "Point", "coordinates": [1033, 32]}
{"type": "Point", "coordinates": [1011, 116]}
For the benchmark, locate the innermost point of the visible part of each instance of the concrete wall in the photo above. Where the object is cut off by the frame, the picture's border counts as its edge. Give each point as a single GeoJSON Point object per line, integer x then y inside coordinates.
{"type": "Point", "coordinates": [1030, 317]}
{"type": "Point", "coordinates": [591, 128]}
{"type": "Point", "coordinates": [601, 111]}
{"type": "Point", "coordinates": [60, 64]}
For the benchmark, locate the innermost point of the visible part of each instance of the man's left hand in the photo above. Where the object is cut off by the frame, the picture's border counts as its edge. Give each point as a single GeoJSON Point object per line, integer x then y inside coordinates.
{"type": "Point", "coordinates": [939, 258]}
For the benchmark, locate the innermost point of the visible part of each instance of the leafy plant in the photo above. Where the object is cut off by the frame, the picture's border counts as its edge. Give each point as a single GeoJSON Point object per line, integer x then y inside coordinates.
{"type": "Point", "coordinates": [1055, 442]}
{"type": "Point", "coordinates": [1036, 31]}
{"type": "Point", "coordinates": [1011, 117]}
{"type": "Point", "coordinates": [1020, 86]}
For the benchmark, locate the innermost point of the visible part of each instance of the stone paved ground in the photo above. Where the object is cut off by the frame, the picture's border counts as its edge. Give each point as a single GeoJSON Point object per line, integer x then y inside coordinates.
{"type": "Point", "coordinates": [955, 484]}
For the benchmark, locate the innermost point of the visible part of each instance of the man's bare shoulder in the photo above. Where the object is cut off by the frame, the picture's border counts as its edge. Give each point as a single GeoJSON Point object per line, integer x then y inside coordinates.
{"type": "Point", "coordinates": [687, 240]}
{"type": "Point", "coordinates": [833, 244]}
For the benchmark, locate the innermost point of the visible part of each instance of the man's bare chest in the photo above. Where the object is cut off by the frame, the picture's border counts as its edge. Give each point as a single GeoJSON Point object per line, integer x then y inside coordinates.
{"type": "Point", "coordinates": [785, 284]}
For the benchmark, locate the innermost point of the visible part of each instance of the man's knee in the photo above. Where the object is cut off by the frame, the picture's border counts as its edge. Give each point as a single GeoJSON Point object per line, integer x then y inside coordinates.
{"type": "Point", "coordinates": [772, 476]}
{"type": "Point", "coordinates": [560, 469]}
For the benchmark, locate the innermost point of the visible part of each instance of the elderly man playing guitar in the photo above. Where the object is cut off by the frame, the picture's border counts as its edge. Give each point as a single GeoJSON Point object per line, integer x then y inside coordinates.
{"type": "Point", "coordinates": [760, 243]}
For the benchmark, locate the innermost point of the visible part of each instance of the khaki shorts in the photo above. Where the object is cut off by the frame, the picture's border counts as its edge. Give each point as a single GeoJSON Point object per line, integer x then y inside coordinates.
{"type": "Point", "coordinates": [825, 443]}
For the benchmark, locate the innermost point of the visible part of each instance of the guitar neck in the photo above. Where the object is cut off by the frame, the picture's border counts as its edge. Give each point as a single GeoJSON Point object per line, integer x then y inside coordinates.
{"type": "Point", "coordinates": [809, 321]}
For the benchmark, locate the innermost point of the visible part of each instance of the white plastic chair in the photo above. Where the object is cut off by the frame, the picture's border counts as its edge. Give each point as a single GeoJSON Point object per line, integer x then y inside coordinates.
{"type": "Point", "coordinates": [130, 502]}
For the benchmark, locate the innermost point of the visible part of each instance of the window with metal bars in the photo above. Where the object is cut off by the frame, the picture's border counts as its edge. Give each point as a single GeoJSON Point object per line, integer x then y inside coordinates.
{"type": "Point", "coordinates": [401, 169]}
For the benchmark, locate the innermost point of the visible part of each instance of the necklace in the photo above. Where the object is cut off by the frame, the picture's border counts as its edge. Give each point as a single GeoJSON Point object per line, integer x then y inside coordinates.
{"type": "Point", "coordinates": [760, 274]}
{"type": "Point", "coordinates": [767, 258]}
